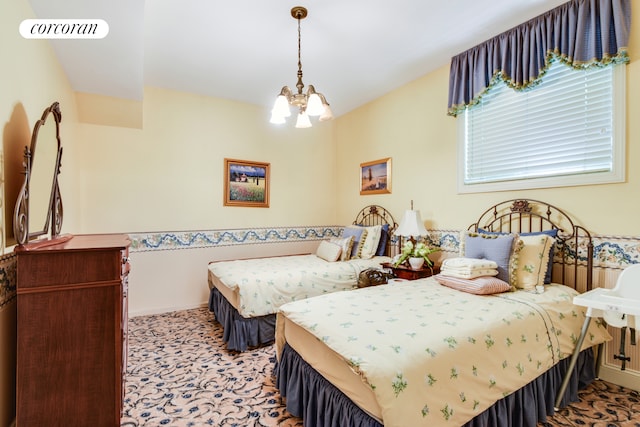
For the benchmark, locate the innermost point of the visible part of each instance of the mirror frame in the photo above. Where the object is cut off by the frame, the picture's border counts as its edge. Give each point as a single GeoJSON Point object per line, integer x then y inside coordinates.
{"type": "Point", "coordinates": [54, 209]}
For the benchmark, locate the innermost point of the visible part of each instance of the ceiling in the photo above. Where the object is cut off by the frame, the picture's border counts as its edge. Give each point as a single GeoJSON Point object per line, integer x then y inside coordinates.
{"type": "Point", "coordinates": [246, 50]}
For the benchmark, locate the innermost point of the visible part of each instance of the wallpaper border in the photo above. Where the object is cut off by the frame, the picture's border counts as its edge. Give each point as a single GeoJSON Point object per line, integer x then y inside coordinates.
{"type": "Point", "coordinates": [617, 252]}
{"type": "Point", "coordinates": [141, 242]}
{"type": "Point", "coordinates": [609, 251]}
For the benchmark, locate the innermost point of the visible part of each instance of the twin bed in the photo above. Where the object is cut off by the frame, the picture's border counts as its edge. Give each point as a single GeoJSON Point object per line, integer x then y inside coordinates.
{"type": "Point", "coordinates": [420, 353]}
{"type": "Point", "coordinates": [246, 294]}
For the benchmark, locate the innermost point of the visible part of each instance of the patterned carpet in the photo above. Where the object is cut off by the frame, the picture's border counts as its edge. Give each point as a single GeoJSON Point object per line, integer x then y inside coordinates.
{"type": "Point", "coordinates": [179, 374]}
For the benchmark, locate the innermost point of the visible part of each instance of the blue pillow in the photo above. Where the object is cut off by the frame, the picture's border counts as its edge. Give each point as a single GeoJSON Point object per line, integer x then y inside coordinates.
{"type": "Point", "coordinates": [356, 232]}
{"type": "Point", "coordinates": [553, 233]}
{"type": "Point", "coordinates": [494, 247]}
{"type": "Point", "coordinates": [384, 238]}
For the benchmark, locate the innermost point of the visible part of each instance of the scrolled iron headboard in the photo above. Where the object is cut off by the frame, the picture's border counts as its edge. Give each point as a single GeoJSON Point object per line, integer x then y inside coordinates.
{"type": "Point", "coordinates": [573, 246]}
{"type": "Point", "coordinates": [377, 215]}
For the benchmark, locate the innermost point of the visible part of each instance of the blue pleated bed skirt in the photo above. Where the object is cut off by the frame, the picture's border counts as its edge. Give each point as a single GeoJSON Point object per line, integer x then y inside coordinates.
{"type": "Point", "coordinates": [241, 333]}
{"type": "Point", "coordinates": [310, 396]}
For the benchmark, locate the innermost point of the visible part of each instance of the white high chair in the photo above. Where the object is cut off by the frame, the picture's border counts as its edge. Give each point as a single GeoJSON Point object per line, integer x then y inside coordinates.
{"type": "Point", "coordinates": [619, 307]}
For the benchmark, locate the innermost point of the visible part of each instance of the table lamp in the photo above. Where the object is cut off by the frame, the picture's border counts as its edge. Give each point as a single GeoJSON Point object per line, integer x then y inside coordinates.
{"type": "Point", "coordinates": [411, 225]}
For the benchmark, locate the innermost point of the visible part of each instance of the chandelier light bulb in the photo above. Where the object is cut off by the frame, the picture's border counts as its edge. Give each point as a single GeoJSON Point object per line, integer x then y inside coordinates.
{"type": "Point", "coordinates": [303, 120]}
{"type": "Point", "coordinates": [314, 105]}
{"type": "Point", "coordinates": [276, 119]}
{"type": "Point", "coordinates": [281, 107]}
{"type": "Point", "coordinates": [327, 114]}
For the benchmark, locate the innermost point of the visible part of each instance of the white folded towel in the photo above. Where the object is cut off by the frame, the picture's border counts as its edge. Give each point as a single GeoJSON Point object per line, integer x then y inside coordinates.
{"type": "Point", "coordinates": [468, 274]}
{"type": "Point", "coordinates": [468, 263]}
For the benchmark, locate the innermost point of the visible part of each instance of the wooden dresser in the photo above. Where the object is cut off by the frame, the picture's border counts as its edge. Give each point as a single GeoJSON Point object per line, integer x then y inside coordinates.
{"type": "Point", "coordinates": [72, 331]}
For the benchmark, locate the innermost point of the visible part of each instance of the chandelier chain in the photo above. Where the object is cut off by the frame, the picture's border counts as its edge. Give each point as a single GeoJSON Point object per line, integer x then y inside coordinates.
{"type": "Point", "coordinates": [299, 85]}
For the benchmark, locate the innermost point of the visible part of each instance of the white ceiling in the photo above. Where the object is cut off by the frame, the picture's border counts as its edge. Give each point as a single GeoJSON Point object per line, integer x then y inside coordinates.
{"type": "Point", "coordinates": [246, 50]}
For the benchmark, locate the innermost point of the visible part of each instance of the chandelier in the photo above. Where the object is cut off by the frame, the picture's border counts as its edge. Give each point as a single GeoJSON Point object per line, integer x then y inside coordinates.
{"type": "Point", "coordinates": [310, 103]}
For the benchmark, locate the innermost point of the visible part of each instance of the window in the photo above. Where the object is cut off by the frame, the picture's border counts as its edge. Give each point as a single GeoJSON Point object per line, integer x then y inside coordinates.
{"type": "Point", "coordinates": [567, 130]}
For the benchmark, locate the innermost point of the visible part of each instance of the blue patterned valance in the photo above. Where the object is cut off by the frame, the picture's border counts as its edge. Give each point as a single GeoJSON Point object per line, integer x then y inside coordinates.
{"type": "Point", "coordinates": [580, 33]}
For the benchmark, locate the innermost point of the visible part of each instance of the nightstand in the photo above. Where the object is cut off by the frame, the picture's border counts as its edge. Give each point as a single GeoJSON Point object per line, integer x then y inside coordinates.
{"type": "Point", "coordinates": [407, 273]}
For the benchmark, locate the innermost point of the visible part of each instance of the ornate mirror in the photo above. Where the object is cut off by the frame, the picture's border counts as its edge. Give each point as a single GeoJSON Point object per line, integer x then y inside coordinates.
{"type": "Point", "coordinates": [38, 209]}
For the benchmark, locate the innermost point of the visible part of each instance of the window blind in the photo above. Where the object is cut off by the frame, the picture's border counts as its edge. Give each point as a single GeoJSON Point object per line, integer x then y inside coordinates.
{"type": "Point", "coordinates": [562, 126]}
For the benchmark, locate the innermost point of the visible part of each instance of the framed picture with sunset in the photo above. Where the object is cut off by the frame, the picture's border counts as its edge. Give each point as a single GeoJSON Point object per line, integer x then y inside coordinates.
{"type": "Point", "coordinates": [246, 183]}
{"type": "Point", "coordinates": [375, 177]}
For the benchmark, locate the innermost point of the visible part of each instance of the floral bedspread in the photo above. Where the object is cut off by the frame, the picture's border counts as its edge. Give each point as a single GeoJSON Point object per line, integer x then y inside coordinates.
{"type": "Point", "coordinates": [436, 356]}
{"type": "Point", "coordinates": [264, 284]}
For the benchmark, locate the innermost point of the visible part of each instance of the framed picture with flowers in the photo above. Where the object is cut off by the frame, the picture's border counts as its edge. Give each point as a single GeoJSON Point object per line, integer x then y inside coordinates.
{"type": "Point", "coordinates": [375, 177]}
{"type": "Point", "coordinates": [246, 183]}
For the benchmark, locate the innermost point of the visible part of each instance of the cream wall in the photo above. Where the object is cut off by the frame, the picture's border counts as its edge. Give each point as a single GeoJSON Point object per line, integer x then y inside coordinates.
{"type": "Point", "coordinates": [169, 174]}
{"type": "Point", "coordinates": [31, 79]}
{"type": "Point", "coordinates": [410, 125]}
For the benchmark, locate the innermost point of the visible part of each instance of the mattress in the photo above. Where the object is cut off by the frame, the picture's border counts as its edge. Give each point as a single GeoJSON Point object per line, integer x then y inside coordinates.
{"type": "Point", "coordinates": [416, 352]}
{"type": "Point", "coordinates": [257, 287]}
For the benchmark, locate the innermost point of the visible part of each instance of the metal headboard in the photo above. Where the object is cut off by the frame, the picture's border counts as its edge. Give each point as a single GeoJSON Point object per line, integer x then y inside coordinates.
{"type": "Point", "coordinates": [377, 215]}
{"type": "Point", "coordinates": [573, 247]}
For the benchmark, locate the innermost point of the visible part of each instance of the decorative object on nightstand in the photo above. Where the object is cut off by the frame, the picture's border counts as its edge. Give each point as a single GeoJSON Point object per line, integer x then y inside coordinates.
{"type": "Point", "coordinates": [416, 253]}
{"type": "Point", "coordinates": [416, 263]}
{"type": "Point", "coordinates": [404, 272]}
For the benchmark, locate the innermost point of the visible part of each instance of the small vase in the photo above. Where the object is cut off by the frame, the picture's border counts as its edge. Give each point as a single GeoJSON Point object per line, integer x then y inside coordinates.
{"type": "Point", "coordinates": [416, 263]}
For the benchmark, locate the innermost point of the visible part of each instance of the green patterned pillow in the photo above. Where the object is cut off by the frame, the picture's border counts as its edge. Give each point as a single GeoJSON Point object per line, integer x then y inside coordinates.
{"type": "Point", "coordinates": [370, 245]}
{"type": "Point", "coordinates": [531, 260]}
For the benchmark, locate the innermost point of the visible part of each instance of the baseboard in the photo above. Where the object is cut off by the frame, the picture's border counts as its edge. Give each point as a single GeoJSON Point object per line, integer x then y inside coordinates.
{"type": "Point", "coordinates": [627, 378]}
{"type": "Point", "coordinates": [162, 310]}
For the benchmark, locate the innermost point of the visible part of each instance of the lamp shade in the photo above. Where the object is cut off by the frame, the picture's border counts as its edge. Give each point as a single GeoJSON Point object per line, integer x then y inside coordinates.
{"type": "Point", "coordinates": [303, 120]}
{"type": "Point", "coordinates": [411, 225]}
{"type": "Point", "coordinates": [327, 115]}
{"type": "Point", "coordinates": [314, 105]}
{"type": "Point", "coordinates": [281, 107]}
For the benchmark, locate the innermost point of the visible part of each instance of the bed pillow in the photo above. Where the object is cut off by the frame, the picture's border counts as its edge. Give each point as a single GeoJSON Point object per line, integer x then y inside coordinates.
{"type": "Point", "coordinates": [384, 238]}
{"type": "Point", "coordinates": [328, 251]}
{"type": "Point", "coordinates": [494, 247]}
{"type": "Point", "coordinates": [359, 234]}
{"type": "Point", "coordinates": [346, 244]}
{"type": "Point", "coordinates": [370, 245]}
{"type": "Point", "coordinates": [552, 233]}
{"type": "Point", "coordinates": [485, 285]}
{"type": "Point", "coordinates": [531, 260]}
